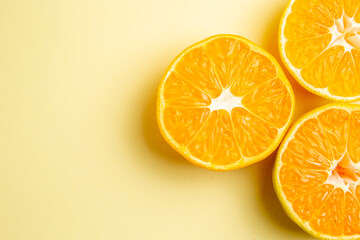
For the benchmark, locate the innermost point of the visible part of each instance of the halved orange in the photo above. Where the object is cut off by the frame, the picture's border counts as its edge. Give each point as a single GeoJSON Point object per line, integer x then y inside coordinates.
{"type": "Point", "coordinates": [224, 103]}
{"type": "Point", "coordinates": [317, 172]}
{"type": "Point", "coordinates": [319, 42]}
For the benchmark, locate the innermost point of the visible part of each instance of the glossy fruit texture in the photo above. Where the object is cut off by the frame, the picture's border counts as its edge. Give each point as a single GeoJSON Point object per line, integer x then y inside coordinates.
{"type": "Point", "coordinates": [320, 44]}
{"type": "Point", "coordinates": [317, 172]}
{"type": "Point", "coordinates": [224, 103]}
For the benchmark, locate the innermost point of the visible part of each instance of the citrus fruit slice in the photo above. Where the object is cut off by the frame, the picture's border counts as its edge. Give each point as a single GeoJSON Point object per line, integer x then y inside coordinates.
{"type": "Point", "coordinates": [319, 42]}
{"type": "Point", "coordinates": [317, 172]}
{"type": "Point", "coordinates": [224, 103]}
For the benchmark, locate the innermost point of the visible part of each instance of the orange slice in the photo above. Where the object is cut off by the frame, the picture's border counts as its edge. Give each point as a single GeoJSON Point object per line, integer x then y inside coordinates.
{"type": "Point", "coordinates": [224, 103]}
{"type": "Point", "coordinates": [319, 42]}
{"type": "Point", "coordinates": [317, 172]}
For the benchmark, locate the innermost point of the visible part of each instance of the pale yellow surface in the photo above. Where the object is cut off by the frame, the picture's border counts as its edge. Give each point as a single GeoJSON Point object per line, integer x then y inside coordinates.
{"type": "Point", "coordinates": [81, 157]}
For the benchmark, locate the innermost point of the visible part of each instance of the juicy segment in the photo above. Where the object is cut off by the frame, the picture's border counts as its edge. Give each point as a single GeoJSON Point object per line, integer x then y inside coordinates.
{"type": "Point", "coordinates": [224, 102]}
{"type": "Point", "coordinates": [319, 175]}
{"type": "Point", "coordinates": [321, 42]}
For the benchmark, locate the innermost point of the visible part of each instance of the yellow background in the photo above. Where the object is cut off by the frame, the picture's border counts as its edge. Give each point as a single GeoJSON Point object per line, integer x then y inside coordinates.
{"type": "Point", "coordinates": [81, 156]}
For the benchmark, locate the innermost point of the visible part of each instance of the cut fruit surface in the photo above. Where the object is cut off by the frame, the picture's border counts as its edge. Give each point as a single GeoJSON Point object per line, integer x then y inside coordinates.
{"type": "Point", "coordinates": [317, 172]}
{"type": "Point", "coordinates": [319, 42]}
{"type": "Point", "coordinates": [224, 103]}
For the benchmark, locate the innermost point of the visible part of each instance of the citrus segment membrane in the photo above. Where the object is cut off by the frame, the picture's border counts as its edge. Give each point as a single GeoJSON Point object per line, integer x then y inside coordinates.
{"type": "Point", "coordinates": [184, 123]}
{"type": "Point", "coordinates": [317, 172]}
{"type": "Point", "coordinates": [224, 103]}
{"type": "Point", "coordinates": [253, 72]}
{"type": "Point", "coordinates": [271, 102]}
{"type": "Point", "coordinates": [320, 43]}
{"type": "Point", "coordinates": [253, 135]}
{"type": "Point", "coordinates": [215, 143]}
{"type": "Point", "coordinates": [228, 58]}
{"type": "Point", "coordinates": [330, 217]}
{"type": "Point", "coordinates": [181, 93]}
{"type": "Point", "coordinates": [197, 65]}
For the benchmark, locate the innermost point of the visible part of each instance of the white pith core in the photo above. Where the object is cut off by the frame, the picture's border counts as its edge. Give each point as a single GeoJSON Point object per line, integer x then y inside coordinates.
{"type": "Point", "coordinates": [345, 32]}
{"type": "Point", "coordinates": [344, 174]}
{"type": "Point", "coordinates": [226, 101]}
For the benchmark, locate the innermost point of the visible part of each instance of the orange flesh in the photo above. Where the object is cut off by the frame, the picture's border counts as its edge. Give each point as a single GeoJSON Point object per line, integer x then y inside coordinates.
{"type": "Point", "coordinates": [323, 44]}
{"type": "Point", "coordinates": [319, 175]}
{"type": "Point", "coordinates": [216, 135]}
